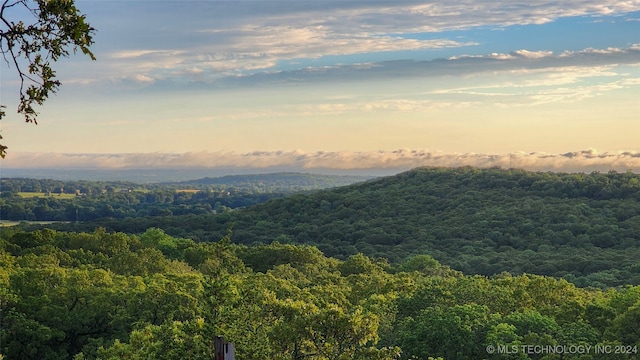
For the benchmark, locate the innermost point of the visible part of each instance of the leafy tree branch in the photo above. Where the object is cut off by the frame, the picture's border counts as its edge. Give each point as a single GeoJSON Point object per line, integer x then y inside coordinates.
{"type": "Point", "coordinates": [53, 29]}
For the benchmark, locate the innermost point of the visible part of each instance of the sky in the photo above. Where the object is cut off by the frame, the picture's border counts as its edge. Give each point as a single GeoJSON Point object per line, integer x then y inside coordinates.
{"type": "Point", "coordinates": [542, 85]}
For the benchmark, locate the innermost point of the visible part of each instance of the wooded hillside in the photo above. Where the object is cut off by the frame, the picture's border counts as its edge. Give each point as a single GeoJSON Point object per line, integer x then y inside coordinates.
{"type": "Point", "coordinates": [581, 227]}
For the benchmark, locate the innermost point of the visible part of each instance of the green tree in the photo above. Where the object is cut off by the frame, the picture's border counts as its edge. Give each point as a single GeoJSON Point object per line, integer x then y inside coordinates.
{"type": "Point", "coordinates": [504, 334]}
{"type": "Point", "coordinates": [170, 298]}
{"type": "Point", "coordinates": [171, 340]}
{"type": "Point", "coordinates": [456, 332]}
{"type": "Point", "coordinates": [625, 326]}
{"type": "Point", "coordinates": [52, 30]}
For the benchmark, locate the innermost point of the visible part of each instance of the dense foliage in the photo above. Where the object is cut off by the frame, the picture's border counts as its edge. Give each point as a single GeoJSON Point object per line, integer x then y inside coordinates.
{"type": "Point", "coordinates": [101, 295]}
{"type": "Point", "coordinates": [581, 227]}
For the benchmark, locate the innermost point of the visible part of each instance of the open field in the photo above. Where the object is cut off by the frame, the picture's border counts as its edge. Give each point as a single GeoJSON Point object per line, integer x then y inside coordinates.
{"type": "Point", "coordinates": [41, 194]}
{"type": "Point", "coordinates": [6, 223]}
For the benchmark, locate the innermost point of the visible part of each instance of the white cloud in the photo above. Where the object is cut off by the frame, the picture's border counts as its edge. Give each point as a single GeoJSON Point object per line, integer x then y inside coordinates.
{"type": "Point", "coordinates": [142, 78]}
{"type": "Point", "coordinates": [534, 87]}
{"type": "Point", "coordinates": [631, 82]}
{"type": "Point", "coordinates": [403, 159]}
{"type": "Point", "coordinates": [132, 54]}
{"type": "Point", "coordinates": [498, 56]}
{"type": "Point", "coordinates": [431, 16]}
{"type": "Point", "coordinates": [532, 54]}
{"type": "Point", "coordinates": [290, 42]}
{"type": "Point", "coordinates": [592, 51]}
{"type": "Point", "coordinates": [579, 93]}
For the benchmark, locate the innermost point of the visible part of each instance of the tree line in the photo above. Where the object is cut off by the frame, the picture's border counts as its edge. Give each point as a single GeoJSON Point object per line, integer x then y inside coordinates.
{"type": "Point", "coordinates": [124, 204]}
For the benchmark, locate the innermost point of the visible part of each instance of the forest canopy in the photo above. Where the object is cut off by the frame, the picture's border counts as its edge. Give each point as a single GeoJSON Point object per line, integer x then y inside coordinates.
{"type": "Point", "coordinates": [109, 295]}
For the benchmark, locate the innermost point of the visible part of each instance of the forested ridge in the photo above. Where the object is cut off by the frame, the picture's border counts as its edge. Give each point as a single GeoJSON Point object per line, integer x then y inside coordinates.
{"type": "Point", "coordinates": [109, 295]}
{"type": "Point", "coordinates": [581, 227]}
{"type": "Point", "coordinates": [282, 182]}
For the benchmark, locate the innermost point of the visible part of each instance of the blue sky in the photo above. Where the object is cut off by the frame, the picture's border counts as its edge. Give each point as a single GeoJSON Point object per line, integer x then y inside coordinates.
{"type": "Point", "coordinates": [344, 84]}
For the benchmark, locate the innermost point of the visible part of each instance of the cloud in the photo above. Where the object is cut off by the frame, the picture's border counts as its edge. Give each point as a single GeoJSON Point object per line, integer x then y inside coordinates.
{"type": "Point", "coordinates": [549, 69]}
{"type": "Point", "coordinates": [251, 37]}
{"type": "Point", "coordinates": [132, 54]}
{"type": "Point", "coordinates": [589, 56]}
{"type": "Point", "coordinates": [541, 86]}
{"type": "Point", "coordinates": [313, 41]}
{"type": "Point", "coordinates": [532, 54]}
{"type": "Point", "coordinates": [142, 78]}
{"type": "Point", "coordinates": [579, 161]}
{"type": "Point", "coordinates": [436, 16]}
{"type": "Point", "coordinates": [257, 49]}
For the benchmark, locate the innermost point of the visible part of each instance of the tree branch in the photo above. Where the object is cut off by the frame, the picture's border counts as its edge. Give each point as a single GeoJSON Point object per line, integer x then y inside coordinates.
{"type": "Point", "coordinates": [57, 27]}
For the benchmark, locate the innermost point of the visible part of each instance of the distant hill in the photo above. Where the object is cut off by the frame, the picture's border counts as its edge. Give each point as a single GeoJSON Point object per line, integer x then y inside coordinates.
{"type": "Point", "coordinates": [285, 182]}
{"type": "Point", "coordinates": [155, 176]}
{"type": "Point", "coordinates": [583, 227]}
